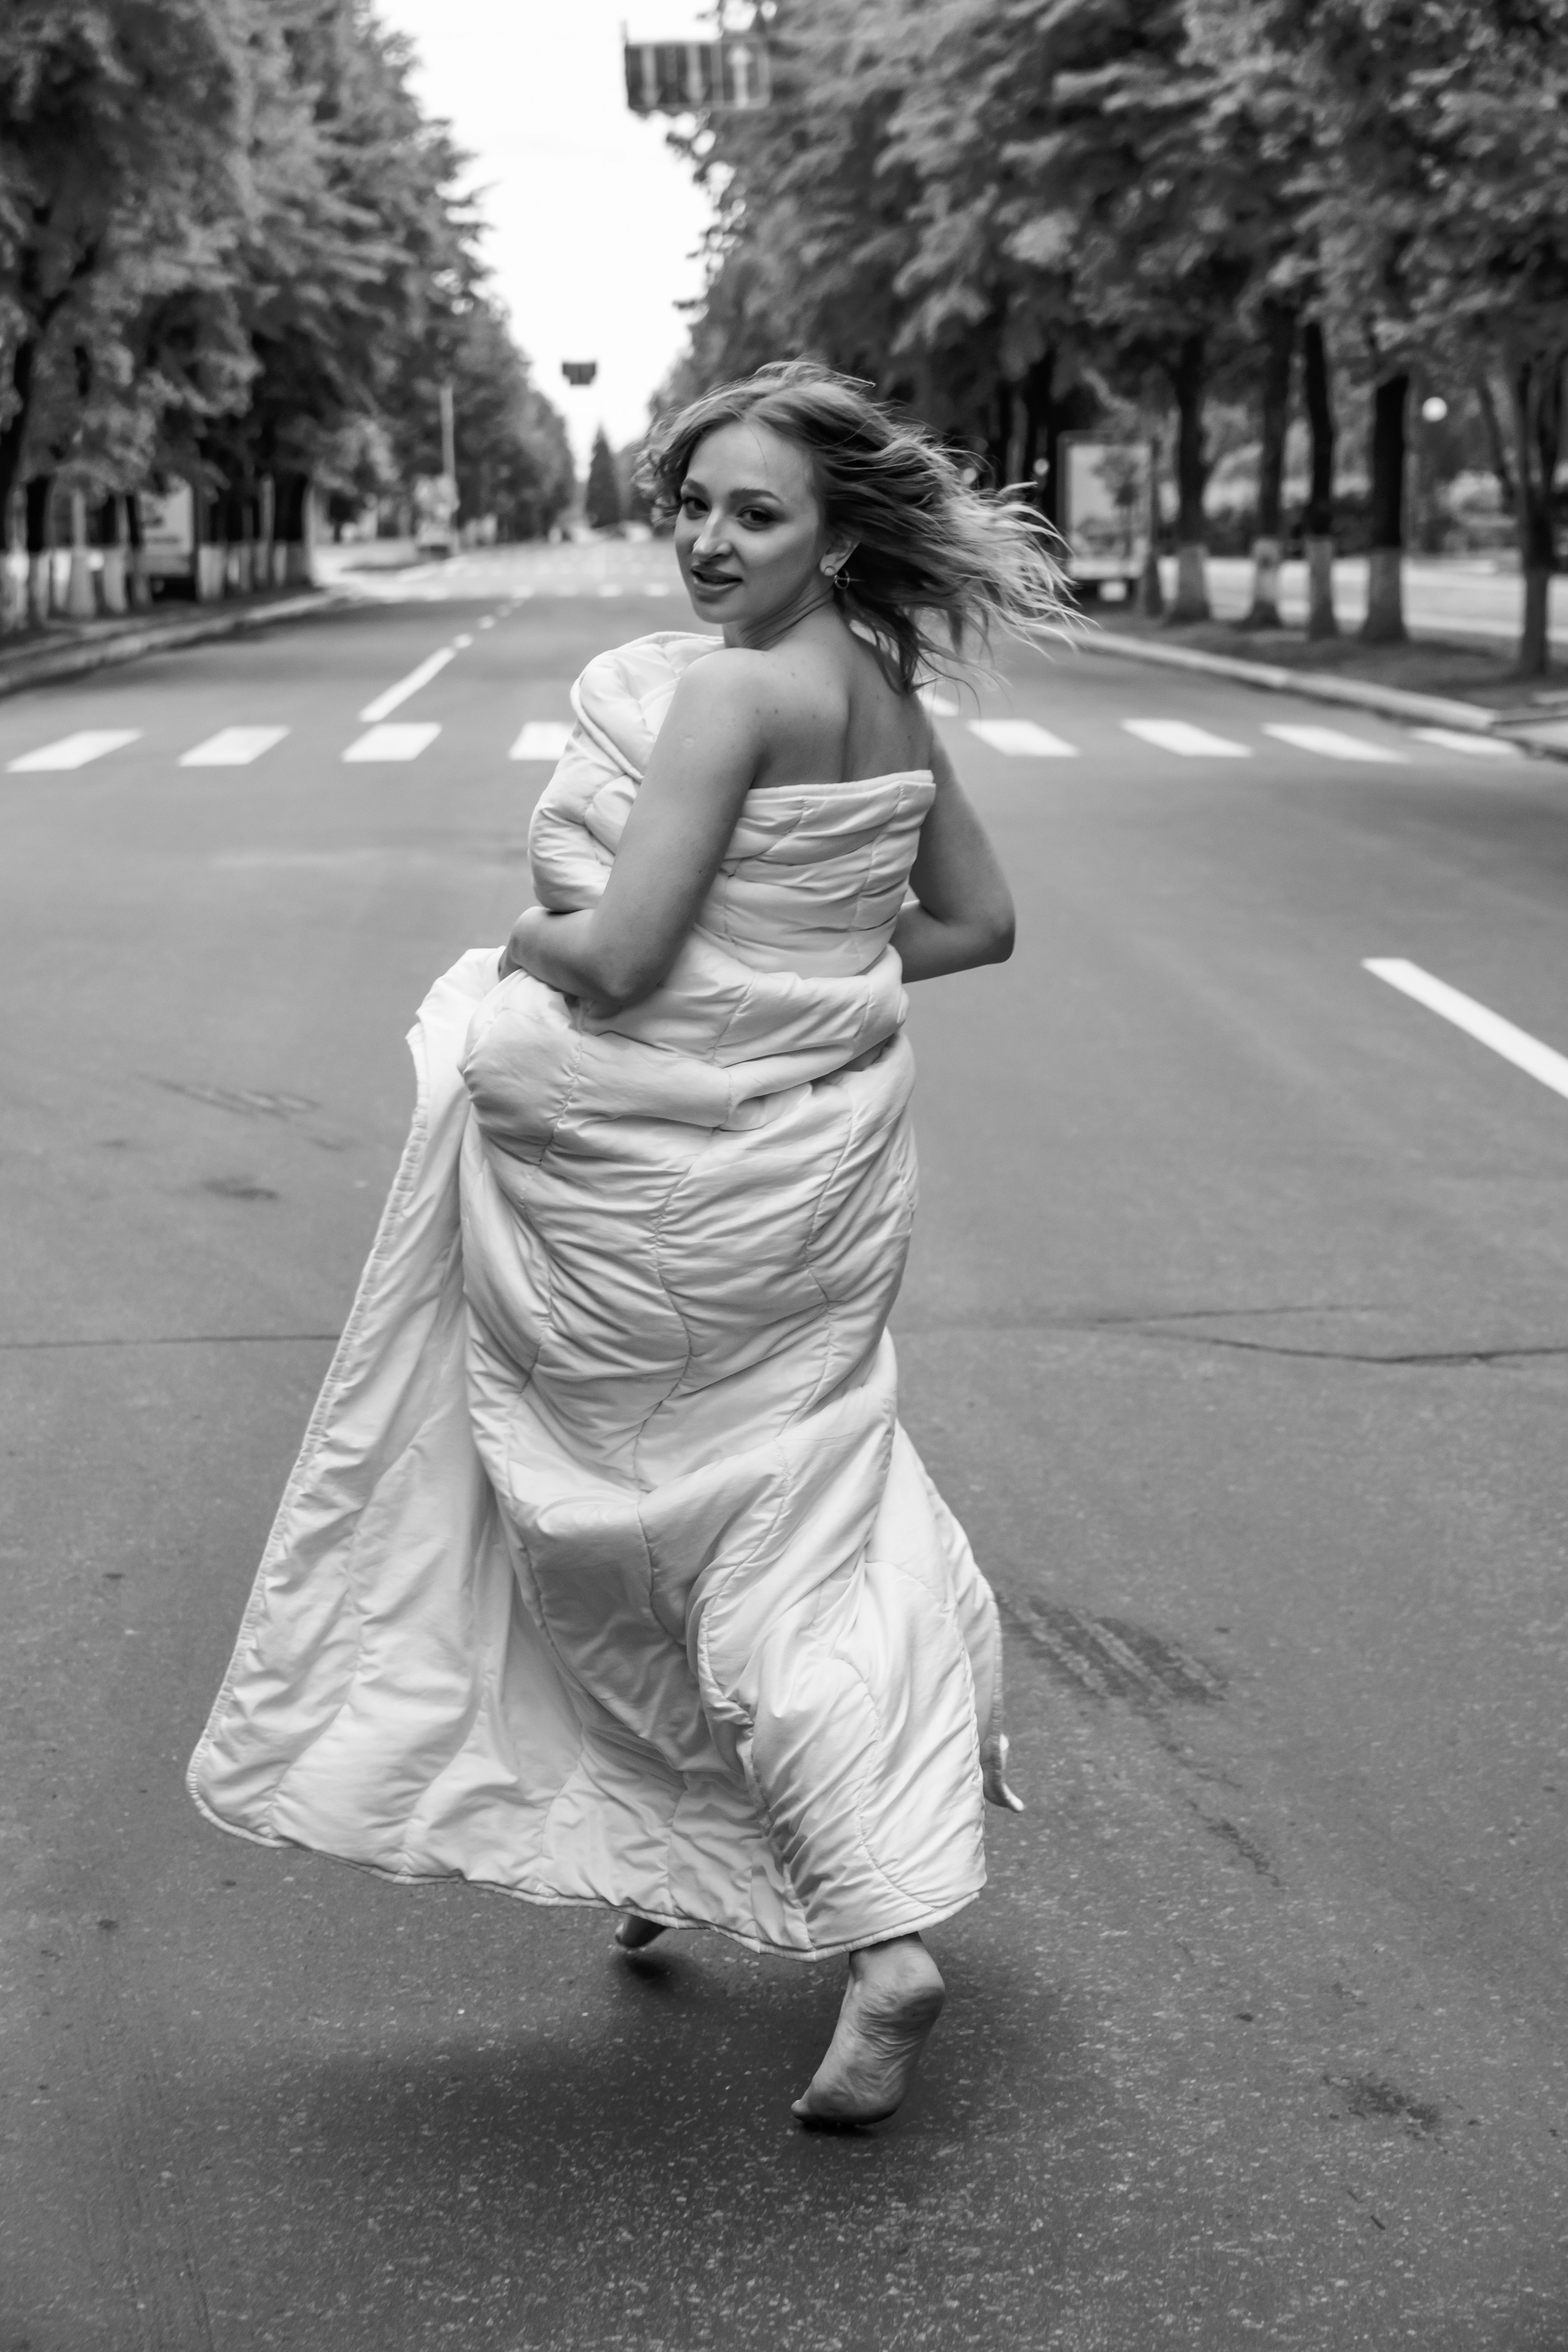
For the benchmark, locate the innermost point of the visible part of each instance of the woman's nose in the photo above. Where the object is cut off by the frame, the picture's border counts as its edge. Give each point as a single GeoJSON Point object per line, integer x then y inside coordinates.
{"type": "Point", "coordinates": [710, 539]}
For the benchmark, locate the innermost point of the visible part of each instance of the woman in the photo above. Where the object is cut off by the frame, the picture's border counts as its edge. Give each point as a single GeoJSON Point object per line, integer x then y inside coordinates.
{"type": "Point", "coordinates": [606, 1573]}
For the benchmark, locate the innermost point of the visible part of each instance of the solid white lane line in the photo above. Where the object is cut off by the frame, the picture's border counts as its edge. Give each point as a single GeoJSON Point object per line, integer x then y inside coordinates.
{"type": "Point", "coordinates": [74, 751]}
{"type": "Point", "coordinates": [1187, 742]}
{"type": "Point", "coordinates": [404, 742]}
{"type": "Point", "coordinates": [233, 746]}
{"type": "Point", "coordinates": [1481, 747]}
{"type": "Point", "coordinates": [1515, 1045]}
{"type": "Point", "coordinates": [1329, 743]}
{"type": "Point", "coordinates": [385, 704]}
{"type": "Point", "coordinates": [542, 739]}
{"type": "Point", "coordinates": [1020, 739]}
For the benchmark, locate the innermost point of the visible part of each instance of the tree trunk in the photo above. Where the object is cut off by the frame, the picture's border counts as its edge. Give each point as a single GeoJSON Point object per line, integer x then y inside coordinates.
{"type": "Point", "coordinates": [1538, 440]}
{"type": "Point", "coordinates": [1192, 479]}
{"type": "Point", "coordinates": [1278, 349]}
{"type": "Point", "coordinates": [1497, 444]}
{"type": "Point", "coordinates": [1152, 588]}
{"type": "Point", "coordinates": [1317, 394]}
{"type": "Point", "coordinates": [1385, 623]}
{"type": "Point", "coordinates": [139, 592]}
{"type": "Point", "coordinates": [40, 562]}
{"type": "Point", "coordinates": [14, 432]}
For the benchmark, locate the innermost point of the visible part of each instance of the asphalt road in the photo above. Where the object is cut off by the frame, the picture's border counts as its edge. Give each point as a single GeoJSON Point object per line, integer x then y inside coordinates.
{"type": "Point", "coordinates": [1237, 1331]}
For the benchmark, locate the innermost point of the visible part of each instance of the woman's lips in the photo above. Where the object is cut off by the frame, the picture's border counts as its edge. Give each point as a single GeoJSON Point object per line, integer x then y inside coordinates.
{"type": "Point", "coordinates": [716, 578]}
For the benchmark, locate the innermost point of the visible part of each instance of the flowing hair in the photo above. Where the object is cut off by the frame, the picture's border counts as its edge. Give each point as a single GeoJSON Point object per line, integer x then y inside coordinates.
{"type": "Point", "coordinates": [928, 547]}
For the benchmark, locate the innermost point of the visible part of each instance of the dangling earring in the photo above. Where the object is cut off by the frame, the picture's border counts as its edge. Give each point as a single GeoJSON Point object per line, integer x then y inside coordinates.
{"type": "Point", "coordinates": [831, 570]}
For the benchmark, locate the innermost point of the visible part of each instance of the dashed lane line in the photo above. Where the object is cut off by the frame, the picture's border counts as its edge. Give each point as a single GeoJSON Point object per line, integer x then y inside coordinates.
{"type": "Point", "coordinates": [233, 746]}
{"type": "Point", "coordinates": [1480, 746]}
{"type": "Point", "coordinates": [1187, 742]}
{"type": "Point", "coordinates": [542, 739]}
{"type": "Point", "coordinates": [73, 751]}
{"type": "Point", "coordinates": [1020, 739]}
{"type": "Point", "coordinates": [385, 744]}
{"type": "Point", "coordinates": [1488, 1028]}
{"type": "Point", "coordinates": [385, 704]}
{"type": "Point", "coordinates": [1330, 743]}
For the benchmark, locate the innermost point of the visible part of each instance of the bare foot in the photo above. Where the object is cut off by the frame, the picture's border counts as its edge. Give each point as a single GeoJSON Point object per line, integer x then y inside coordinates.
{"type": "Point", "coordinates": [634, 1932]}
{"type": "Point", "coordinates": [994, 1773]}
{"type": "Point", "coordinates": [894, 1998]}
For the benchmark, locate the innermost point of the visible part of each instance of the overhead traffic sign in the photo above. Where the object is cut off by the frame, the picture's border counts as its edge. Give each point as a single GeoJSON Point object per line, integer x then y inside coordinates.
{"type": "Point", "coordinates": [696, 77]}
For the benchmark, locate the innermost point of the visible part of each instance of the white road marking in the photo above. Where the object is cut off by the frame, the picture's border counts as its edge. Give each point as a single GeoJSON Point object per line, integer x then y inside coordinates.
{"type": "Point", "coordinates": [1188, 743]}
{"type": "Point", "coordinates": [1454, 738]}
{"type": "Point", "coordinates": [233, 746]}
{"type": "Point", "coordinates": [1515, 1045]}
{"type": "Point", "coordinates": [1020, 739]}
{"type": "Point", "coordinates": [461, 644]}
{"type": "Point", "coordinates": [385, 704]}
{"type": "Point", "coordinates": [1329, 743]}
{"type": "Point", "coordinates": [404, 742]}
{"type": "Point", "coordinates": [74, 751]}
{"type": "Point", "coordinates": [489, 620]}
{"type": "Point", "coordinates": [542, 739]}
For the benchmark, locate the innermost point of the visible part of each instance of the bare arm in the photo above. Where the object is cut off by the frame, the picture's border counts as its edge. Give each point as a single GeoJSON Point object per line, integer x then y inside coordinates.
{"type": "Point", "coordinates": [965, 912]}
{"type": "Point", "coordinates": [687, 807]}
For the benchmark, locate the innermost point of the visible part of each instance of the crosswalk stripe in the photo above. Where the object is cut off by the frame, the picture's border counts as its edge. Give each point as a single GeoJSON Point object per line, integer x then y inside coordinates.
{"type": "Point", "coordinates": [386, 743]}
{"type": "Point", "coordinates": [1329, 743]}
{"type": "Point", "coordinates": [385, 704]}
{"type": "Point", "coordinates": [73, 751]}
{"type": "Point", "coordinates": [1488, 1028]}
{"type": "Point", "coordinates": [233, 746]}
{"type": "Point", "coordinates": [1020, 739]}
{"type": "Point", "coordinates": [1483, 746]}
{"type": "Point", "coordinates": [1188, 743]}
{"type": "Point", "coordinates": [542, 739]}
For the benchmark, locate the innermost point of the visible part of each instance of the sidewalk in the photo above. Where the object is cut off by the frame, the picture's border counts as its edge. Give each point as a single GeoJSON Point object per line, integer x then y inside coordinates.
{"type": "Point", "coordinates": [64, 649]}
{"type": "Point", "coordinates": [1457, 669]}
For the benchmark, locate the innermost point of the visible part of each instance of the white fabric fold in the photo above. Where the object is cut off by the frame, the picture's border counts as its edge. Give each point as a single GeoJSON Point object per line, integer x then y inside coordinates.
{"type": "Point", "coordinates": [606, 1573]}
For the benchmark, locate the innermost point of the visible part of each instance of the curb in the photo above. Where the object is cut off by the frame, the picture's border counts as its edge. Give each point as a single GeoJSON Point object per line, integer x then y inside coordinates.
{"type": "Point", "coordinates": [1323, 685]}
{"type": "Point", "coordinates": [43, 665]}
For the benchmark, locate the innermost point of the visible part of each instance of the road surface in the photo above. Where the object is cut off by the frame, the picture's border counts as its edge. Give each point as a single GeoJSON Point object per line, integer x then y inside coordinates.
{"type": "Point", "coordinates": [1237, 1330]}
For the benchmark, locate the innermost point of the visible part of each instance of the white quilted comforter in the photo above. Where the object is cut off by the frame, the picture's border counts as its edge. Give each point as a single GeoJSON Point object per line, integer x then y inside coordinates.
{"type": "Point", "coordinates": [606, 1573]}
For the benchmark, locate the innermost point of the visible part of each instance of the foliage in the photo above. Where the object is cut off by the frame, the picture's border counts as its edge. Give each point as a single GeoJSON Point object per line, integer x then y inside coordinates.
{"type": "Point", "coordinates": [231, 247]}
{"type": "Point", "coordinates": [999, 209]}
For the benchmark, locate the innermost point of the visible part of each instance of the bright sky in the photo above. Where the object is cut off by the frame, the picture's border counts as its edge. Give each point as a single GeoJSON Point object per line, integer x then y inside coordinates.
{"type": "Point", "coordinates": [594, 223]}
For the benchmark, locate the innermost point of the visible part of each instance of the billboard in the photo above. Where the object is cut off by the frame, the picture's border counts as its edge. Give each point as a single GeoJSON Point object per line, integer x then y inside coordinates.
{"type": "Point", "coordinates": [168, 521]}
{"type": "Point", "coordinates": [1103, 505]}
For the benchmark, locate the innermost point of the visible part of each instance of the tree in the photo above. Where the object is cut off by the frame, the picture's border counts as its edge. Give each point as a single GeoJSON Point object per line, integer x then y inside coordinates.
{"type": "Point", "coordinates": [120, 191]}
{"type": "Point", "coordinates": [602, 499]}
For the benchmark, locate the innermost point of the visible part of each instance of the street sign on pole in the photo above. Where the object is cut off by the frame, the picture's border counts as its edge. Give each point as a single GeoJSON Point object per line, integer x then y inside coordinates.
{"type": "Point", "coordinates": [696, 77]}
{"type": "Point", "coordinates": [579, 372]}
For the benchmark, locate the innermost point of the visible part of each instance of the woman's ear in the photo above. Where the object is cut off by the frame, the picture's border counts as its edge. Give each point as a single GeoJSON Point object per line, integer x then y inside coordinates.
{"type": "Point", "coordinates": [835, 559]}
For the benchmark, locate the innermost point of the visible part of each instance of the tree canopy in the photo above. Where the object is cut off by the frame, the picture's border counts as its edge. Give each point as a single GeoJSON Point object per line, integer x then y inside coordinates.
{"type": "Point", "coordinates": [232, 247]}
{"type": "Point", "coordinates": [1019, 214]}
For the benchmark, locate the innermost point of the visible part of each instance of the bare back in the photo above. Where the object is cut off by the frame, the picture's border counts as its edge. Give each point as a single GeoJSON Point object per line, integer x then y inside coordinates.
{"type": "Point", "coordinates": [831, 714]}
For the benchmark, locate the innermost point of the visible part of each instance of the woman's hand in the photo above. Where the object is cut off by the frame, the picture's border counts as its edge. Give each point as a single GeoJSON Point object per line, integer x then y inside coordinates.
{"type": "Point", "coordinates": [965, 913]}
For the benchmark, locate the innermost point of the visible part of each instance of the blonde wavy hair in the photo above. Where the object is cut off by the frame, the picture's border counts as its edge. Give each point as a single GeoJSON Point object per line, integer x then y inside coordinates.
{"type": "Point", "coordinates": [929, 547]}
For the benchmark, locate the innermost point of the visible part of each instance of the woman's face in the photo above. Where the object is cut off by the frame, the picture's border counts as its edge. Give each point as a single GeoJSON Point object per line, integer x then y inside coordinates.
{"type": "Point", "coordinates": [748, 534]}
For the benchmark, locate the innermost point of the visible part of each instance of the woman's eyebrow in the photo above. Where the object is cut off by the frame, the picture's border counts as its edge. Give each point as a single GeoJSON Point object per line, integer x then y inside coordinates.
{"type": "Point", "coordinates": [746, 489]}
